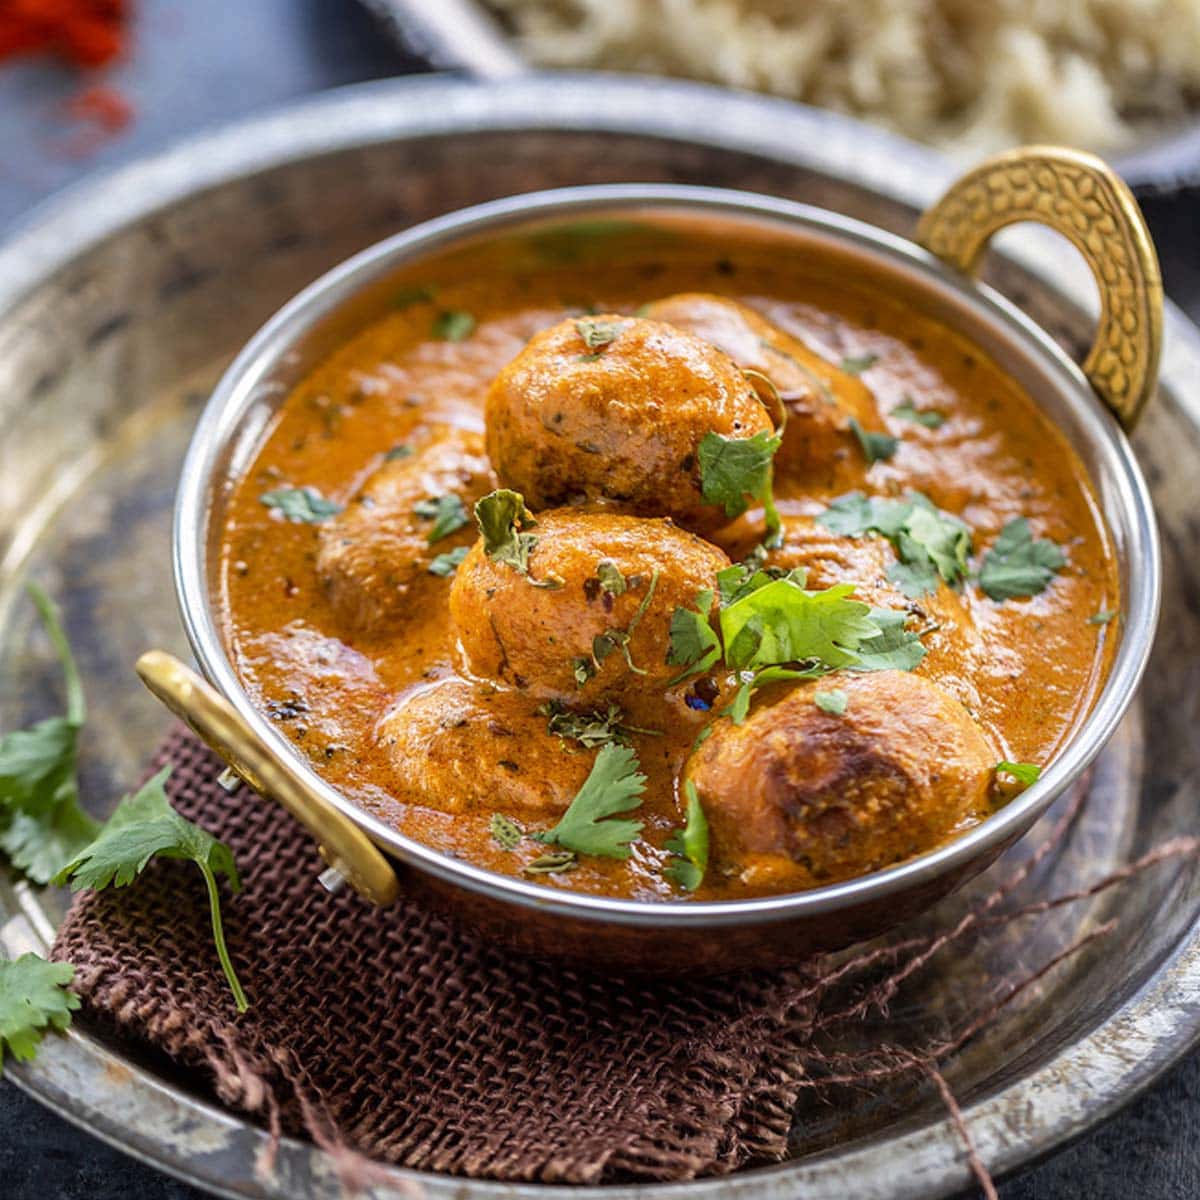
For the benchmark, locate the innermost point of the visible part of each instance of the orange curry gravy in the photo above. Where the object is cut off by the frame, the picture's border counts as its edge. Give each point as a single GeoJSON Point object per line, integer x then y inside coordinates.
{"type": "Point", "coordinates": [1029, 674]}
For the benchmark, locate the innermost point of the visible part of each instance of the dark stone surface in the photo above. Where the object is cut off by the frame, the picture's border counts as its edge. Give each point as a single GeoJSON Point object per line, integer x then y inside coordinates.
{"type": "Point", "coordinates": [196, 64]}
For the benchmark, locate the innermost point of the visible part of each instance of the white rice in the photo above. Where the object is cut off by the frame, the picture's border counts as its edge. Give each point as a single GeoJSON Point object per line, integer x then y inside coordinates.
{"type": "Point", "coordinates": [969, 76]}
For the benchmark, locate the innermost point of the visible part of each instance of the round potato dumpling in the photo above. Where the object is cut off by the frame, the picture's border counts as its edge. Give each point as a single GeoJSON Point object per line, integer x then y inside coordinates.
{"type": "Point", "coordinates": [818, 446]}
{"type": "Point", "coordinates": [797, 797]}
{"type": "Point", "coordinates": [604, 628]}
{"type": "Point", "coordinates": [459, 747]}
{"type": "Point", "coordinates": [371, 554]}
{"type": "Point", "coordinates": [615, 408]}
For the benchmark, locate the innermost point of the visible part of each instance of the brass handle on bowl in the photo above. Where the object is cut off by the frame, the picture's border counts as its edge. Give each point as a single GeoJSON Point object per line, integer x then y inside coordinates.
{"type": "Point", "coordinates": [347, 850]}
{"type": "Point", "coordinates": [1081, 197]}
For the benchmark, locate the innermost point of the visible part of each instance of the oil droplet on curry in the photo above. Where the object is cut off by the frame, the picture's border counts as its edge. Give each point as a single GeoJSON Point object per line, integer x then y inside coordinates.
{"type": "Point", "coordinates": [665, 563]}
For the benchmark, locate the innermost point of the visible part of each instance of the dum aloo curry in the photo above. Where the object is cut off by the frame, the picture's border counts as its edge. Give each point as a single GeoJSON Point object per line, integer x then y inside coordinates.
{"type": "Point", "coordinates": [684, 565]}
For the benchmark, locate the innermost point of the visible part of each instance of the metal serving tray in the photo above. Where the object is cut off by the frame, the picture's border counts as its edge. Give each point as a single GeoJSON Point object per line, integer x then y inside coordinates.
{"type": "Point", "coordinates": [120, 304]}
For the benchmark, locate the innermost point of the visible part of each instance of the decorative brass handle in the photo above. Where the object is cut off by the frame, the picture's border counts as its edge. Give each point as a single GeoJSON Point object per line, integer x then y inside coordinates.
{"type": "Point", "coordinates": [347, 850]}
{"type": "Point", "coordinates": [1082, 198]}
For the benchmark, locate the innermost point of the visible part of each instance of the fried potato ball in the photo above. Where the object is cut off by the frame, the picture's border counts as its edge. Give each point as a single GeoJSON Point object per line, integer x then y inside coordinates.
{"type": "Point", "coordinates": [615, 408]}
{"type": "Point", "coordinates": [605, 628]}
{"type": "Point", "coordinates": [439, 741]}
{"type": "Point", "coordinates": [796, 796]}
{"type": "Point", "coordinates": [819, 446]}
{"type": "Point", "coordinates": [371, 554]}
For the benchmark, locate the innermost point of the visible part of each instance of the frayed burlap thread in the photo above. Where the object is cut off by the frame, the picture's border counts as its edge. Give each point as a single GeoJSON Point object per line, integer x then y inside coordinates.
{"type": "Point", "coordinates": [391, 1035]}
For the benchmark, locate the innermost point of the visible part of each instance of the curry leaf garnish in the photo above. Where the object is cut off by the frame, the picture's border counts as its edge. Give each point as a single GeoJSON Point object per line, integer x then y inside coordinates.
{"type": "Point", "coordinates": [41, 822]}
{"type": "Point", "coordinates": [693, 643]}
{"type": "Point", "coordinates": [505, 831]}
{"type": "Point", "coordinates": [856, 364]}
{"type": "Point", "coordinates": [597, 334]}
{"type": "Point", "coordinates": [503, 521]}
{"type": "Point", "coordinates": [34, 997]}
{"type": "Point", "coordinates": [930, 543]}
{"type": "Point", "coordinates": [447, 563]}
{"type": "Point", "coordinates": [930, 418]}
{"type": "Point", "coordinates": [733, 468]}
{"type": "Point", "coordinates": [145, 826]}
{"type": "Point", "coordinates": [876, 447]}
{"type": "Point", "coordinates": [590, 729]}
{"type": "Point", "coordinates": [301, 506]}
{"type": "Point", "coordinates": [1025, 773]}
{"type": "Point", "coordinates": [446, 512]}
{"type": "Point", "coordinates": [689, 845]}
{"type": "Point", "coordinates": [832, 702]}
{"type": "Point", "coordinates": [453, 326]}
{"type": "Point", "coordinates": [590, 825]}
{"type": "Point", "coordinates": [1017, 565]}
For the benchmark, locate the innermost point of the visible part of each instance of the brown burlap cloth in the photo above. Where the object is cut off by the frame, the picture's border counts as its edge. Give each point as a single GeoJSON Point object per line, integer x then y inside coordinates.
{"type": "Point", "coordinates": [393, 1035]}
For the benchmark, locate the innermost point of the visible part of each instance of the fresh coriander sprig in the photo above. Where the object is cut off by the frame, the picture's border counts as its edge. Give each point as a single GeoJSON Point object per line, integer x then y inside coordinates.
{"type": "Point", "coordinates": [1017, 565]}
{"type": "Point", "coordinates": [1023, 773]}
{"type": "Point", "coordinates": [504, 522]}
{"type": "Point", "coordinates": [733, 468]}
{"type": "Point", "coordinates": [446, 512]}
{"type": "Point", "coordinates": [300, 506]}
{"type": "Point", "coordinates": [41, 821]}
{"type": "Point", "coordinates": [145, 826]}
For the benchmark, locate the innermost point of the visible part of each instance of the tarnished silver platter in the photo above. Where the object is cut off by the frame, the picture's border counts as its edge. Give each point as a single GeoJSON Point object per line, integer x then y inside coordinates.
{"type": "Point", "coordinates": [121, 303]}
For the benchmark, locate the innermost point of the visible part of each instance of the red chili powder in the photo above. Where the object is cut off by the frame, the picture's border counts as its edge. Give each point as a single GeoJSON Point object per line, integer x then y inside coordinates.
{"type": "Point", "coordinates": [86, 33]}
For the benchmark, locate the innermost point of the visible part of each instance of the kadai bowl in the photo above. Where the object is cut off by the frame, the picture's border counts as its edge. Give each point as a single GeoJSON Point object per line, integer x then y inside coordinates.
{"type": "Point", "coordinates": [676, 578]}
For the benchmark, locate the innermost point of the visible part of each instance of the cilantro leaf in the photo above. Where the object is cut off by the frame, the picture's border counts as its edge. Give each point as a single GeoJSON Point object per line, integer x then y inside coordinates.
{"type": "Point", "coordinates": [615, 785]}
{"type": "Point", "coordinates": [733, 468]}
{"type": "Point", "coordinates": [300, 506]}
{"type": "Point", "coordinates": [503, 521]}
{"type": "Point", "coordinates": [693, 644]}
{"type": "Point", "coordinates": [610, 579]}
{"type": "Point", "coordinates": [597, 334]}
{"type": "Point", "coordinates": [832, 702]}
{"type": "Point", "coordinates": [446, 512]}
{"type": "Point", "coordinates": [689, 845]}
{"type": "Point", "coordinates": [929, 417]}
{"type": "Point", "coordinates": [552, 862]}
{"type": "Point", "coordinates": [453, 326]}
{"type": "Point", "coordinates": [41, 821]}
{"type": "Point", "coordinates": [397, 452]}
{"type": "Point", "coordinates": [782, 623]}
{"type": "Point", "coordinates": [145, 826]}
{"type": "Point", "coordinates": [415, 293]}
{"type": "Point", "coordinates": [929, 542]}
{"type": "Point", "coordinates": [893, 648]}
{"type": "Point", "coordinates": [33, 998]}
{"type": "Point", "coordinates": [876, 447]}
{"type": "Point", "coordinates": [449, 562]}
{"type": "Point", "coordinates": [1102, 617]}
{"type": "Point", "coordinates": [1025, 773]}
{"type": "Point", "coordinates": [1016, 565]}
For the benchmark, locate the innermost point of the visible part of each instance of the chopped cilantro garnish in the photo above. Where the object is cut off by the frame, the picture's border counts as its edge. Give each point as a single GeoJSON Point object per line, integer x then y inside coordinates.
{"type": "Point", "coordinates": [610, 578]}
{"type": "Point", "coordinates": [694, 644]}
{"type": "Point", "coordinates": [1025, 773]}
{"type": "Point", "coordinates": [551, 863]}
{"type": "Point", "coordinates": [832, 702]}
{"type": "Point", "coordinates": [590, 729]}
{"type": "Point", "coordinates": [930, 543]}
{"type": "Point", "coordinates": [689, 845]}
{"type": "Point", "coordinates": [453, 326]}
{"type": "Point", "coordinates": [856, 364]}
{"type": "Point", "coordinates": [417, 293]}
{"type": "Point", "coordinates": [929, 417]}
{"type": "Point", "coordinates": [876, 447]}
{"type": "Point", "coordinates": [733, 468]}
{"type": "Point", "coordinates": [398, 452]}
{"type": "Point", "coordinates": [603, 644]}
{"type": "Point", "coordinates": [447, 563]}
{"type": "Point", "coordinates": [446, 512]}
{"type": "Point", "coordinates": [1017, 565]}
{"type": "Point", "coordinates": [300, 505]}
{"type": "Point", "coordinates": [597, 334]}
{"type": "Point", "coordinates": [590, 826]}
{"type": "Point", "coordinates": [1102, 617]}
{"type": "Point", "coordinates": [503, 521]}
